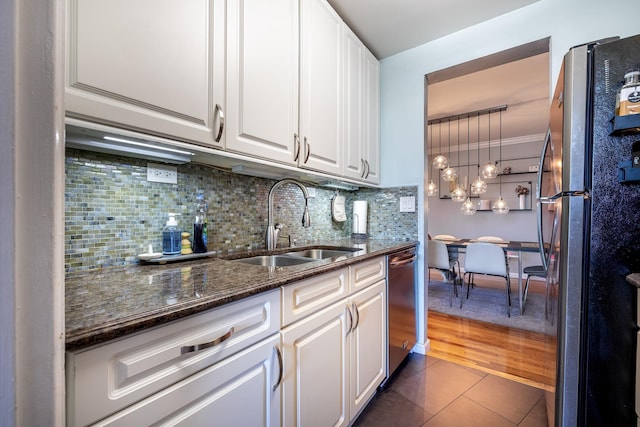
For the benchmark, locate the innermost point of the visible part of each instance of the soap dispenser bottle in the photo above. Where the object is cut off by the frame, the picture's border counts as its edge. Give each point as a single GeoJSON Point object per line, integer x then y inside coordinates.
{"type": "Point", "coordinates": [171, 237]}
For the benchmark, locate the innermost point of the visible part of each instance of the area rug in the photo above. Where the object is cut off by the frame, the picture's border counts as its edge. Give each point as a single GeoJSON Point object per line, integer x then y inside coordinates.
{"type": "Point", "coordinates": [489, 305]}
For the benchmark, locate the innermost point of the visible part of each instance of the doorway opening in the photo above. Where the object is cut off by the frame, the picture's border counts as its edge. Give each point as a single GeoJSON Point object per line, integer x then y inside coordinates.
{"type": "Point", "coordinates": [518, 78]}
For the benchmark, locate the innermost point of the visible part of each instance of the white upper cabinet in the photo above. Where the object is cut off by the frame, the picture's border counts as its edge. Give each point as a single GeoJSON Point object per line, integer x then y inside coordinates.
{"type": "Point", "coordinates": [321, 87]}
{"type": "Point", "coordinates": [148, 65]}
{"type": "Point", "coordinates": [262, 79]}
{"type": "Point", "coordinates": [361, 111]}
{"type": "Point", "coordinates": [372, 117]}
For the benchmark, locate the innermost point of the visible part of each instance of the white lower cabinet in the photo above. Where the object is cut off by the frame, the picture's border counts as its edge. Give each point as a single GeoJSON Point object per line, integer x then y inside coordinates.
{"type": "Point", "coordinates": [132, 373]}
{"type": "Point", "coordinates": [334, 360]}
{"type": "Point", "coordinates": [368, 344]}
{"type": "Point", "coordinates": [310, 354]}
{"type": "Point", "coordinates": [242, 390]}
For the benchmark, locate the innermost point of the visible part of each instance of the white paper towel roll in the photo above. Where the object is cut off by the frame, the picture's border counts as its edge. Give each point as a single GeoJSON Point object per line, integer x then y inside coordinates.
{"type": "Point", "coordinates": [360, 217]}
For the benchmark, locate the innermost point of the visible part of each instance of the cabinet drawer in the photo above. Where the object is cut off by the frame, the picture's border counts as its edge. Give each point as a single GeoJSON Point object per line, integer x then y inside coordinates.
{"type": "Point", "coordinates": [105, 379]}
{"type": "Point", "coordinates": [367, 273]}
{"type": "Point", "coordinates": [308, 296]}
{"type": "Point", "coordinates": [238, 391]}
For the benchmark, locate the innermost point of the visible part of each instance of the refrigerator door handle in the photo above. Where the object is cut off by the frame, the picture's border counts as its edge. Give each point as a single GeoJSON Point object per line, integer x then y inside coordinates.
{"type": "Point", "coordinates": [547, 139]}
{"type": "Point", "coordinates": [571, 193]}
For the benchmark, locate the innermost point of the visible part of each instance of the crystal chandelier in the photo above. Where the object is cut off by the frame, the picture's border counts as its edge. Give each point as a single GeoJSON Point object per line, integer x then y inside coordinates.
{"type": "Point", "coordinates": [478, 186]}
{"type": "Point", "coordinates": [459, 194]}
{"type": "Point", "coordinates": [490, 170]}
{"type": "Point", "coordinates": [500, 207]}
{"type": "Point", "coordinates": [440, 162]}
{"type": "Point", "coordinates": [432, 188]}
{"type": "Point", "coordinates": [449, 174]}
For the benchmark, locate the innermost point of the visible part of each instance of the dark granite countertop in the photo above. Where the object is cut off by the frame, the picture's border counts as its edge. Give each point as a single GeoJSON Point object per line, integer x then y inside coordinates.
{"type": "Point", "coordinates": [105, 304]}
{"type": "Point", "coordinates": [634, 279]}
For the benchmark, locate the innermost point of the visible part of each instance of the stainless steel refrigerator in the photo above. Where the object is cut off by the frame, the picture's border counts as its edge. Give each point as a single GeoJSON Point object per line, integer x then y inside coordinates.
{"type": "Point", "coordinates": [589, 222]}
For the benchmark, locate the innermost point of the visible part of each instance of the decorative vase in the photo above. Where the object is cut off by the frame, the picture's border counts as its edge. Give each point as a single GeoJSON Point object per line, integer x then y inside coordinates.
{"type": "Point", "coordinates": [523, 201]}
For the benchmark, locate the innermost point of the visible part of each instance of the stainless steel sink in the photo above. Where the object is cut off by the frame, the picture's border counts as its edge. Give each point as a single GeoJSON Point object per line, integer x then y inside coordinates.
{"type": "Point", "coordinates": [321, 253]}
{"type": "Point", "coordinates": [275, 260]}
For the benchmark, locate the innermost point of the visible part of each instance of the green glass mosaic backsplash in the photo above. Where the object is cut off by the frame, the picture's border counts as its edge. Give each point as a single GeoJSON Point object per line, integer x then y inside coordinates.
{"type": "Point", "coordinates": [112, 213]}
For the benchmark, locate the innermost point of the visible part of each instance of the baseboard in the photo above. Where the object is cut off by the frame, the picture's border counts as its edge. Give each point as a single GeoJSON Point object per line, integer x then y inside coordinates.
{"type": "Point", "coordinates": [422, 348]}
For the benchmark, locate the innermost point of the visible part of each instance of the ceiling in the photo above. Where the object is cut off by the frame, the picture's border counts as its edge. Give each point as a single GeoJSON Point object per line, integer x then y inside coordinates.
{"type": "Point", "coordinates": [377, 22]}
{"type": "Point", "coordinates": [522, 85]}
{"type": "Point", "coordinates": [518, 77]}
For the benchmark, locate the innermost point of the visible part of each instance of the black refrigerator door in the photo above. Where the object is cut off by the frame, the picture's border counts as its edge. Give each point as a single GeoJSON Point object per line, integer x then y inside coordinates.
{"type": "Point", "coordinates": [613, 252]}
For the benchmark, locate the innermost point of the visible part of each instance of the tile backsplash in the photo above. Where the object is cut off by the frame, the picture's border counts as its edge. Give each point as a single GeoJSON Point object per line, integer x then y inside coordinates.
{"type": "Point", "coordinates": [112, 213]}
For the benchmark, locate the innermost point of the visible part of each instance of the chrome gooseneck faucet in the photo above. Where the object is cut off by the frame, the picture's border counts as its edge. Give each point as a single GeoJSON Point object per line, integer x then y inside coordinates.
{"type": "Point", "coordinates": [273, 230]}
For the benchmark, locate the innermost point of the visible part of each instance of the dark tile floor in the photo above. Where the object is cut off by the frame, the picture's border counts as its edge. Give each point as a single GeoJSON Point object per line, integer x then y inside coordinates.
{"type": "Point", "coordinates": [431, 392]}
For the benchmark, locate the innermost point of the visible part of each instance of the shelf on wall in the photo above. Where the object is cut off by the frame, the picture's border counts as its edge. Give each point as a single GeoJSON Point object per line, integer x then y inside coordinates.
{"type": "Point", "coordinates": [510, 210]}
{"type": "Point", "coordinates": [624, 125]}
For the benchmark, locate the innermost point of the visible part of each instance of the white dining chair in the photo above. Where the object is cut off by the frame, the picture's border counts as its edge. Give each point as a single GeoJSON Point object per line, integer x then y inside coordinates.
{"type": "Point", "coordinates": [488, 259]}
{"type": "Point", "coordinates": [438, 259]}
{"type": "Point", "coordinates": [454, 255]}
{"type": "Point", "coordinates": [496, 239]}
{"type": "Point", "coordinates": [444, 237]}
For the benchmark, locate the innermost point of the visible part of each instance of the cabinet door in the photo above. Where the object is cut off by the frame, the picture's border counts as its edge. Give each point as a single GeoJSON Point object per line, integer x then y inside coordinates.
{"type": "Point", "coordinates": [354, 159]}
{"type": "Point", "coordinates": [371, 117]}
{"type": "Point", "coordinates": [368, 341]}
{"type": "Point", "coordinates": [362, 144]}
{"type": "Point", "coordinates": [242, 390]}
{"type": "Point", "coordinates": [262, 79]}
{"type": "Point", "coordinates": [321, 91]}
{"type": "Point", "coordinates": [315, 357]}
{"type": "Point", "coordinates": [147, 65]}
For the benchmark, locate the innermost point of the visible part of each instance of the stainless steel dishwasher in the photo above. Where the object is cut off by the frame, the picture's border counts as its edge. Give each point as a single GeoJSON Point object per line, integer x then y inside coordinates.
{"type": "Point", "coordinates": [401, 297]}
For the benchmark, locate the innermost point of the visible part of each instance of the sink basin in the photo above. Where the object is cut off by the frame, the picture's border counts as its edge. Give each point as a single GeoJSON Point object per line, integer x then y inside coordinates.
{"type": "Point", "coordinates": [275, 260]}
{"type": "Point", "coordinates": [321, 253]}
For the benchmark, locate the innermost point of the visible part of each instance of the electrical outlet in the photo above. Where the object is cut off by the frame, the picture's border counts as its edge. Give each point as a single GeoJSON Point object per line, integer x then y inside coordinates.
{"type": "Point", "coordinates": [162, 173]}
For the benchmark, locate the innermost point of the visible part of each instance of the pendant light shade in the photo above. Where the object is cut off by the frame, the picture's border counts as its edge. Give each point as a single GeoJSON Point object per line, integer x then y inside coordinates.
{"type": "Point", "coordinates": [478, 186]}
{"type": "Point", "coordinates": [432, 188]}
{"type": "Point", "coordinates": [489, 171]}
{"type": "Point", "coordinates": [440, 162]}
{"type": "Point", "coordinates": [468, 207]}
{"type": "Point", "coordinates": [449, 174]}
{"type": "Point", "coordinates": [459, 194]}
{"type": "Point", "coordinates": [500, 207]}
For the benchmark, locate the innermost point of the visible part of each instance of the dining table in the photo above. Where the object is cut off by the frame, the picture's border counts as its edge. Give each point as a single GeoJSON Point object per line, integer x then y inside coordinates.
{"type": "Point", "coordinates": [513, 246]}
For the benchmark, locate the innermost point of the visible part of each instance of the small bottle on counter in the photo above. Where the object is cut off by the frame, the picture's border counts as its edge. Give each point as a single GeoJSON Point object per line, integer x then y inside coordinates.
{"type": "Point", "coordinates": [628, 99]}
{"type": "Point", "coordinates": [171, 237]}
{"type": "Point", "coordinates": [200, 225]}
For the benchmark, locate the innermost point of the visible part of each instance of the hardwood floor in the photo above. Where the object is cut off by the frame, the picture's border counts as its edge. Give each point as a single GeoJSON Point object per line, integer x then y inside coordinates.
{"type": "Point", "coordinates": [514, 354]}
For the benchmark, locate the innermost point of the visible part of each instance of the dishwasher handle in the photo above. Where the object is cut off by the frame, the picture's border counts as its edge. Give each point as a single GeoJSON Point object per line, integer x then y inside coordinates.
{"type": "Point", "coordinates": [401, 260]}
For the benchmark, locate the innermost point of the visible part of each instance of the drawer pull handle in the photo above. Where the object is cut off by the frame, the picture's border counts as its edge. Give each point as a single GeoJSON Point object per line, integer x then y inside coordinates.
{"type": "Point", "coordinates": [279, 354]}
{"type": "Point", "coordinates": [198, 347]}
{"type": "Point", "coordinates": [357, 313]}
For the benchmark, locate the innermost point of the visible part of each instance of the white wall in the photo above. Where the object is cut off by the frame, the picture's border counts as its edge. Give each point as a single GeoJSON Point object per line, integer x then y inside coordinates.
{"type": "Point", "coordinates": [32, 208]}
{"type": "Point", "coordinates": [567, 22]}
